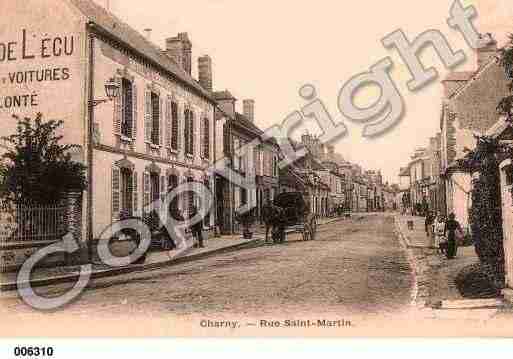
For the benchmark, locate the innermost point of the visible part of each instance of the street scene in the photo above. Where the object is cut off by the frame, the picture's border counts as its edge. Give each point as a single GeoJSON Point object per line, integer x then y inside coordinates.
{"type": "Point", "coordinates": [153, 183]}
{"type": "Point", "coordinates": [348, 269]}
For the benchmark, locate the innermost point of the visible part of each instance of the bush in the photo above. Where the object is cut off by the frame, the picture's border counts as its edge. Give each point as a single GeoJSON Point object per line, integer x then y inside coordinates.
{"type": "Point", "coordinates": [38, 170]}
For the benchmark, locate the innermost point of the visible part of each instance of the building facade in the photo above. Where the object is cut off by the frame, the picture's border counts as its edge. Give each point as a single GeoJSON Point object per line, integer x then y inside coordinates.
{"type": "Point", "coordinates": [156, 134]}
{"type": "Point", "coordinates": [469, 107]}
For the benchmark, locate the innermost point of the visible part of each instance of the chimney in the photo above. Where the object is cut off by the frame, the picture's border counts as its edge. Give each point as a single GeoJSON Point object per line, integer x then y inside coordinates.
{"type": "Point", "coordinates": [249, 109]}
{"type": "Point", "coordinates": [179, 48]}
{"type": "Point", "coordinates": [205, 72]}
{"type": "Point", "coordinates": [488, 52]}
{"type": "Point", "coordinates": [148, 33]}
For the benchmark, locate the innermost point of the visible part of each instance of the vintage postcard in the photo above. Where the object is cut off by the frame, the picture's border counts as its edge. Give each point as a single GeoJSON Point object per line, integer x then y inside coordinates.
{"type": "Point", "coordinates": [255, 169]}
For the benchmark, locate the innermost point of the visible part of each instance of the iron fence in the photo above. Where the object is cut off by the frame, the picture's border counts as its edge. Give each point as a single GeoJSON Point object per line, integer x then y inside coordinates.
{"type": "Point", "coordinates": [22, 224]}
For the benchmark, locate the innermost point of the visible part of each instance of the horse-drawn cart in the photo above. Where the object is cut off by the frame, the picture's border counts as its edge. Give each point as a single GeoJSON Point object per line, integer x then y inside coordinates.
{"type": "Point", "coordinates": [290, 213]}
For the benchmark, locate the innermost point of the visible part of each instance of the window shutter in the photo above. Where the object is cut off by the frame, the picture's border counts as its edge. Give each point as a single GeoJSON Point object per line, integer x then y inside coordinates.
{"type": "Point", "coordinates": [135, 192]}
{"type": "Point", "coordinates": [116, 195]}
{"type": "Point", "coordinates": [161, 122]}
{"type": "Point", "coordinates": [226, 140]}
{"type": "Point", "coordinates": [118, 107]}
{"type": "Point", "coordinates": [255, 160]}
{"type": "Point", "coordinates": [168, 130]}
{"type": "Point", "coordinates": [134, 112]}
{"type": "Point", "coordinates": [163, 188]}
{"type": "Point", "coordinates": [192, 133]}
{"type": "Point", "coordinates": [146, 191]}
{"type": "Point", "coordinates": [206, 140]}
{"type": "Point", "coordinates": [186, 131]}
{"type": "Point", "coordinates": [179, 122]}
{"type": "Point", "coordinates": [174, 125]}
{"type": "Point", "coordinates": [147, 116]}
{"type": "Point", "coordinates": [202, 139]}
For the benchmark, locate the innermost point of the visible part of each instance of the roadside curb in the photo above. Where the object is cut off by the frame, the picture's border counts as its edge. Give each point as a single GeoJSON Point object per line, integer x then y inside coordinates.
{"type": "Point", "coordinates": [11, 286]}
{"type": "Point", "coordinates": [425, 268]}
{"type": "Point", "coordinates": [411, 259]}
{"type": "Point", "coordinates": [421, 266]}
{"type": "Point", "coordinates": [100, 274]}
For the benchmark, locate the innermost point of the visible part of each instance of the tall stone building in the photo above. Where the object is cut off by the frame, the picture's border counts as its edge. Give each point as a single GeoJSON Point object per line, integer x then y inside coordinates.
{"type": "Point", "coordinates": [469, 107]}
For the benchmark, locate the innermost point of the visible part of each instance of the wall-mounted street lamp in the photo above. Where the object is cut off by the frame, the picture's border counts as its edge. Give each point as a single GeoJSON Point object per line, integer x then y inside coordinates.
{"type": "Point", "coordinates": [111, 90]}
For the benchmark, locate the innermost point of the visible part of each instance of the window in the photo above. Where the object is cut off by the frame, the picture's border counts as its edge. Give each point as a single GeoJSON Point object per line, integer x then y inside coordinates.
{"type": "Point", "coordinates": [174, 126]}
{"type": "Point", "coordinates": [508, 170]}
{"type": "Point", "coordinates": [243, 196]}
{"type": "Point", "coordinates": [172, 182]}
{"type": "Point", "coordinates": [242, 157]}
{"type": "Point", "coordinates": [236, 159]}
{"type": "Point", "coordinates": [189, 132]}
{"type": "Point", "coordinates": [206, 138]}
{"type": "Point", "coordinates": [155, 124]}
{"type": "Point", "coordinates": [126, 192]}
{"type": "Point", "coordinates": [128, 108]}
{"type": "Point", "coordinates": [275, 166]}
{"type": "Point", "coordinates": [154, 187]}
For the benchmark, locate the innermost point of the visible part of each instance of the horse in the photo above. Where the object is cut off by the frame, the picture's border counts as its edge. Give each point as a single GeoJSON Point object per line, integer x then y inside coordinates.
{"type": "Point", "coordinates": [273, 217]}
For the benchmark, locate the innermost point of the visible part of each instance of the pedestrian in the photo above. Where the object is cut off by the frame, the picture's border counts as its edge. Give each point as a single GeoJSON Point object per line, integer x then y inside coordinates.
{"type": "Point", "coordinates": [197, 228]}
{"type": "Point", "coordinates": [178, 218]}
{"type": "Point", "coordinates": [452, 226]}
{"type": "Point", "coordinates": [429, 224]}
{"type": "Point", "coordinates": [267, 216]}
{"type": "Point", "coordinates": [439, 232]}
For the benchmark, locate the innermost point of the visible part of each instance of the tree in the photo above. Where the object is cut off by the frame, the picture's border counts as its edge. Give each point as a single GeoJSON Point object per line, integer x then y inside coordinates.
{"type": "Point", "coordinates": [486, 212]}
{"type": "Point", "coordinates": [38, 169]}
{"type": "Point", "coordinates": [505, 106]}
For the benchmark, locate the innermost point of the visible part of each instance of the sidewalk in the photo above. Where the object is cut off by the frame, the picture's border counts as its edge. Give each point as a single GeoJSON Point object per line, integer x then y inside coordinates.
{"type": "Point", "coordinates": [436, 275]}
{"type": "Point", "coordinates": [154, 260]}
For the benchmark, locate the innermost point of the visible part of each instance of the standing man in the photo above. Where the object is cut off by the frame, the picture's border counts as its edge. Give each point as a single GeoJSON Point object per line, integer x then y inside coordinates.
{"type": "Point", "coordinates": [451, 227]}
{"type": "Point", "coordinates": [429, 224]}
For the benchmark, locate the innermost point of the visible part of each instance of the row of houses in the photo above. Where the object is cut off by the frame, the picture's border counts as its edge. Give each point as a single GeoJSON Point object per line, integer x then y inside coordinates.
{"type": "Point", "coordinates": [436, 179]}
{"type": "Point", "coordinates": [350, 187]}
{"type": "Point", "coordinates": [164, 128]}
{"type": "Point", "coordinates": [469, 108]}
{"type": "Point", "coordinates": [420, 186]}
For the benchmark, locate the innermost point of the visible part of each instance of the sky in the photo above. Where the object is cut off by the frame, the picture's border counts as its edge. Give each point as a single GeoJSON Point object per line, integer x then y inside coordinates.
{"type": "Point", "coordinates": [267, 50]}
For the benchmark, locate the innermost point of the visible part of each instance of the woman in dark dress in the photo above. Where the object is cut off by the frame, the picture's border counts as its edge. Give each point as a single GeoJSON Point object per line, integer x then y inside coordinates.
{"type": "Point", "coordinates": [451, 227]}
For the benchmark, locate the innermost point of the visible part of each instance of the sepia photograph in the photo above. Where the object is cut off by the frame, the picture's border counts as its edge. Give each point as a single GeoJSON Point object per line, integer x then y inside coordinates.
{"type": "Point", "coordinates": [244, 169]}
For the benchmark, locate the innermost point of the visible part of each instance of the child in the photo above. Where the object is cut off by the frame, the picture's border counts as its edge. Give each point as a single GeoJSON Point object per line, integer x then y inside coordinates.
{"type": "Point", "coordinates": [439, 231]}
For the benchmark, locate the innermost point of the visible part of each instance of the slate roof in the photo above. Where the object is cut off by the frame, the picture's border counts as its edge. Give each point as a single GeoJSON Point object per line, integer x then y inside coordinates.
{"type": "Point", "coordinates": [223, 95]}
{"type": "Point", "coordinates": [242, 120]}
{"type": "Point", "coordinates": [132, 38]}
